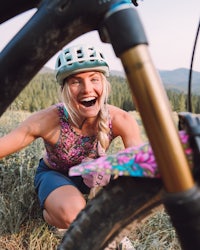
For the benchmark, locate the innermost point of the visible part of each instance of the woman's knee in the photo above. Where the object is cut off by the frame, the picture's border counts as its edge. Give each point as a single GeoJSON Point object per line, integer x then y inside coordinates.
{"type": "Point", "coordinates": [63, 207]}
{"type": "Point", "coordinates": [62, 216]}
{"type": "Point", "coordinates": [69, 212]}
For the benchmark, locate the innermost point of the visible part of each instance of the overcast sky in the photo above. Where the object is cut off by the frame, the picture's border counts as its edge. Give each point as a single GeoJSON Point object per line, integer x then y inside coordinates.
{"type": "Point", "coordinates": [170, 26]}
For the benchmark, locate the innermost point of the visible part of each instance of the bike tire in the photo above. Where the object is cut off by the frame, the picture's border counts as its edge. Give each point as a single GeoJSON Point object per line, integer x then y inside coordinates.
{"type": "Point", "coordinates": [116, 206]}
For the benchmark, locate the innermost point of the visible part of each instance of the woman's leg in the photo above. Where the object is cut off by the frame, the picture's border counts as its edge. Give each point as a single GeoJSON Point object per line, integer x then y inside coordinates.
{"type": "Point", "coordinates": [63, 205]}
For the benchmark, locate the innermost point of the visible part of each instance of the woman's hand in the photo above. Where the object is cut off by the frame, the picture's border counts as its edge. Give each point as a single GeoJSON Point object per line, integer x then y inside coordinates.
{"type": "Point", "coordinates": [96, 179]}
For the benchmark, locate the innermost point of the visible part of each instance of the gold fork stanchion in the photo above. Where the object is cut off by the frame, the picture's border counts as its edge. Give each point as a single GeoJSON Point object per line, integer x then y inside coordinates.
{"type": "Point", "coordinates": [150, 97]}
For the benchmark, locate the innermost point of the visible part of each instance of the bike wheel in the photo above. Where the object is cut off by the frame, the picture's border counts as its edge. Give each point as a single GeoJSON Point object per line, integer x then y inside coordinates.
{"type": "Point", "coordinates": [116, 206]}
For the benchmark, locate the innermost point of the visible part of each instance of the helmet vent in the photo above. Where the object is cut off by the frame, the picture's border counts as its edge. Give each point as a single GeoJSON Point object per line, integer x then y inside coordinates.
{"type": "Point", "coordinates": [79, 59]}
{"type": "Point", "coordinates": [80, 55]}
{"type": "Point", "coordinates": [59, 62]}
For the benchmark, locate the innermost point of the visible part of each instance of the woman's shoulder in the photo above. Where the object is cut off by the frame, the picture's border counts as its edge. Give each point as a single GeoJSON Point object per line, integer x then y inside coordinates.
{"type": "Point", "coordinates": [120, 119]}
{"type": "Point", "coordinates": [48, 115]}
{"type": "Point", "coordinates": [117, 112]}
{"type": "Point", "coordinates": [112, 108]}
{"type": "Point", "coordinates": [39, 123]}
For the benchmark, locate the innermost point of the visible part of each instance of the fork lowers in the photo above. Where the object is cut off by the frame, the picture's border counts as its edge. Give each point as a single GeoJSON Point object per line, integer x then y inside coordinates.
{"type": "Point", "coordinates": [183, 209]}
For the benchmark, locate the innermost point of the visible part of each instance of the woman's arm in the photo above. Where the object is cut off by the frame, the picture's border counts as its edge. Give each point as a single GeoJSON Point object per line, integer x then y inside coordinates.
{"type": "Point", "coordinates": [17, 139]}
{"type": "Point", "coordinates": [126, 126]}
{"type": "Point", "coordinates": [39, 124]}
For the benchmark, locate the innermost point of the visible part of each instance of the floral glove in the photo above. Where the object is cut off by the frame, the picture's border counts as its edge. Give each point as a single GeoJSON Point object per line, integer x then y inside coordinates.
{"type": "Point", "coordinates": [96, 179]}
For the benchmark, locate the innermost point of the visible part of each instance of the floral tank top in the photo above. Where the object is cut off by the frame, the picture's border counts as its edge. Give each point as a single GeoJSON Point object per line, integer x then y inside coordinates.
{"type": "Point", "coordinates": [71, 148]}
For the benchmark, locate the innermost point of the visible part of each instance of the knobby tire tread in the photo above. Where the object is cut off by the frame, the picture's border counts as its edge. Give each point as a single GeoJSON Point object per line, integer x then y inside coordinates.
{"type": "Point", "coordinates": [114, 207]}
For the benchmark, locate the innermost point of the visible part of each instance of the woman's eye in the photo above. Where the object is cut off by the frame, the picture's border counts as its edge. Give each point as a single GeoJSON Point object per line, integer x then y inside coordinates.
{"type": "Point", "coordinates": [76, 82]}
{"type": "Point", "coordinates": [95, 79]}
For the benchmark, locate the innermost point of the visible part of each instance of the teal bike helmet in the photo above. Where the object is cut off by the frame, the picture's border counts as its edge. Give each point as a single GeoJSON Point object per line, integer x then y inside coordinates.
{"type": "Point", "coordinates": [78, 59]}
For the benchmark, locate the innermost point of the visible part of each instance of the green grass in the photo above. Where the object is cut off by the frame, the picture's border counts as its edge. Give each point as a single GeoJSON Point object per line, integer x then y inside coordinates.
{"type": "Point", "coordinates": [22, 226]}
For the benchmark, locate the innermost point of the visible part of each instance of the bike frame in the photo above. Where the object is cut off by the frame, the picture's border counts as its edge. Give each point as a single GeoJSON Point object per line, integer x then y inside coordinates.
{"type": "Point", "coordinates": [55, 24]}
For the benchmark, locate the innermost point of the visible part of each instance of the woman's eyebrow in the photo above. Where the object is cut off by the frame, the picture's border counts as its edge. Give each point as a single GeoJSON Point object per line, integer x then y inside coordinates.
{"type": "Point", "coordinates": [94, 73]}
{"type": "Point", "coordinates": [81, 77]}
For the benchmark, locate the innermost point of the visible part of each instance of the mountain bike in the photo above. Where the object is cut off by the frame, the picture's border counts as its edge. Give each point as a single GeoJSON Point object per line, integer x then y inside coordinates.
{"type": "Point", "coordinates": [176, 184]}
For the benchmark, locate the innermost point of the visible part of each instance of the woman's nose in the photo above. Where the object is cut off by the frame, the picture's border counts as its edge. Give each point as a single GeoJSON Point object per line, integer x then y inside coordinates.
{"type": "Point", "coordinates": [87, 86]}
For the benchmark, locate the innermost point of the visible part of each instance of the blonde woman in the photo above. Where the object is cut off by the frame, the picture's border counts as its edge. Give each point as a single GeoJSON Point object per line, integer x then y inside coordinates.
{"type": "Point", "coordinates": [79, 128]}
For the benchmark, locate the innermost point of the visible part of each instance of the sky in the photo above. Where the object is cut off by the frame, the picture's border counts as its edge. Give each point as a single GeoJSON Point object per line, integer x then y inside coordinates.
{"type": "Point", "coordinates": [170, 27]}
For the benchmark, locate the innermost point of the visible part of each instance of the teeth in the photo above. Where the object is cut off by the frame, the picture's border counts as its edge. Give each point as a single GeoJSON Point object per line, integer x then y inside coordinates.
{"type": "Point", "coordinates": [88, 99]}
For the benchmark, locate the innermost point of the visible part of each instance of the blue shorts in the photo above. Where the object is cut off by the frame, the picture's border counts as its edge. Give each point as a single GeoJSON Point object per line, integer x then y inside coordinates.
{"type": "Point", "coordinates": [47, 180]}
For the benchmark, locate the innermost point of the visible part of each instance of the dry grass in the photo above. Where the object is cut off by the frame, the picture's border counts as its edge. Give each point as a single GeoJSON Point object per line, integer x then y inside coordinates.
{"type": "Point", "coordinates": [22, 226]}
{"type": "Point", "coordinates": [155, 233]}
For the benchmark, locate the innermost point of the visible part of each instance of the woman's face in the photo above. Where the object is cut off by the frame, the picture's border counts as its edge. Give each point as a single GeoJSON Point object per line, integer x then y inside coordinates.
{"type": "Point", "coordinates": [86, 89]}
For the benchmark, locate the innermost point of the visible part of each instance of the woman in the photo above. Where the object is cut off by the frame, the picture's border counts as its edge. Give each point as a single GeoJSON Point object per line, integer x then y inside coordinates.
{"type": "Point", "coordinates": [79, 128]}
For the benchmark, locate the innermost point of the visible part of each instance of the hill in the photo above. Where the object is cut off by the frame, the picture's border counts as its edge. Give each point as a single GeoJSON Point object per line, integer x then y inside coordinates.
{"type": "Point", "coordinates": [176, 79]}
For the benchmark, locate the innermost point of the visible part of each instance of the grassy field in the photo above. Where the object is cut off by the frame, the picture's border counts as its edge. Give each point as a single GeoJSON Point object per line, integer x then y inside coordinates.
{"type": "Point", "coordinates": [22, 226]}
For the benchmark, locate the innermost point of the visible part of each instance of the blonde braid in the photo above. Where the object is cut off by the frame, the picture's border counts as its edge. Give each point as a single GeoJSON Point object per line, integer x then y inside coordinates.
{"type": "Point", "coordinates": [103, 130]}
{"type": "Point", "coordinates": [103, 118]}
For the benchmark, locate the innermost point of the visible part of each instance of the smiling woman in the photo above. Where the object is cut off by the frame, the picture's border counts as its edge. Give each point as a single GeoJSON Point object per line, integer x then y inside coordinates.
{"type": "Point", "coordinates": [81, 90]}
{"type": "Point", "coordinates": [78, 129]}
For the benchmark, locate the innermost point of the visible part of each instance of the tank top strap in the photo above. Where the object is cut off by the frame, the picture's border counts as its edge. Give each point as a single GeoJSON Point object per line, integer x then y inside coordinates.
{"type": "Point", "coordinates": [63, 114]}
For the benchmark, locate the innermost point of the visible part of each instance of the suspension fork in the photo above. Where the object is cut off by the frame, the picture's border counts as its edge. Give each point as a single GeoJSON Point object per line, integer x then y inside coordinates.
{"type": "Point", "coordinates": [182, 198]}
{"type": "Point", "coordinates": [130, 44]}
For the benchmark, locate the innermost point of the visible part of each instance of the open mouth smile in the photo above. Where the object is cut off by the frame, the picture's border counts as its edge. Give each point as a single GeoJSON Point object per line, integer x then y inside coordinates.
{"type": "Point", "coordinates": [88, 102]}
